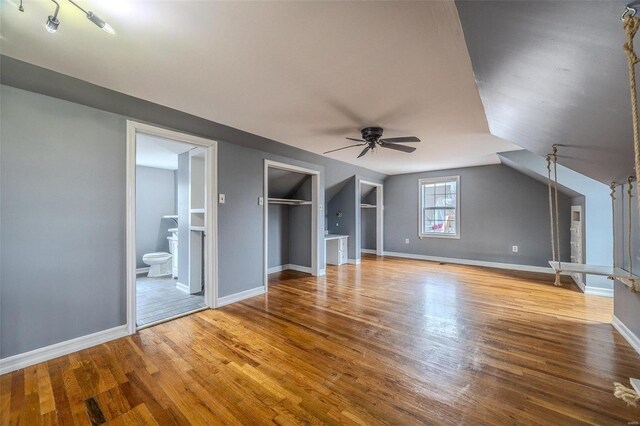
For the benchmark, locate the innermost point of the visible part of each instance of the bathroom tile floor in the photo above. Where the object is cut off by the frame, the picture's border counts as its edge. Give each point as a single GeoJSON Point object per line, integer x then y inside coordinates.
{"type": "Point", "coordinates": [158, 298]}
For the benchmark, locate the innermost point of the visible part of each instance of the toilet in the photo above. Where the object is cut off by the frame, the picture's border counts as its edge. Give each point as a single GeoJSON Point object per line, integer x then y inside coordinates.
{"type": "Point", "coordinates": [159, 264]}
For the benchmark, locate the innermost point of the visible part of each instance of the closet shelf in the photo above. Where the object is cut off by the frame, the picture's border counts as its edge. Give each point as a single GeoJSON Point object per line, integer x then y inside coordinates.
{"type": "Point", "coordinates": [613, 273]}
{"type": "Point", "coordinates": [170, 216]}
{"type": "Point", "coordinates": [367, 206]}
{"type": "Point", "coordinates": [196, 210]}
{"type": "Point", "coordinates": [289, 201]}
{"type": "Point", "coordinates": [197, 228]}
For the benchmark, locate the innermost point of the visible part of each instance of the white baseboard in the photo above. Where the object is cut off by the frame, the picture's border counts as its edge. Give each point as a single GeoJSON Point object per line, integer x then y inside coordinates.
{"type": "Point", "coordinates": [233, 298]}
{"type": "Point", "coordinates": [142, 270]}
{"type": "Point", "coordinates": [353, 261]}
{"type": "Point", "coordinates": [469, 262]}
{"type": "Point", "coordinates": [368, 251]}
{"type": "Point", "coordinates": [628, 335]}
{"type": "Point", "coordinates": [322, 272]}
{"type": "Point", "coordinates": [182, 287]}
{"type": "Point", "coordinates": [291, 267]}
{"type": "Point", "coordinates": [598, 291]}
{"type": "Point", "coordinates": [56, 350]}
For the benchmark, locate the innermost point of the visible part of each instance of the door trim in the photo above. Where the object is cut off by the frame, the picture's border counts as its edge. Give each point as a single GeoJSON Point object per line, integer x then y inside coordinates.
{"type": "Point", "coordinates": [211, 217]}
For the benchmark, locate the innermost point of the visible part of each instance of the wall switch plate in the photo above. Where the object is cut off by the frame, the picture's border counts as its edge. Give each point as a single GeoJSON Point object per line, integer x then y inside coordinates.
{"type": "Point", "coordinates": [514, 249]}
{"type": "Point", "coordinates": [221, 198]}
{"type": "Point", "coordinates": [261, 201]}
{"type": "Point", "coordinates": [406, 241]}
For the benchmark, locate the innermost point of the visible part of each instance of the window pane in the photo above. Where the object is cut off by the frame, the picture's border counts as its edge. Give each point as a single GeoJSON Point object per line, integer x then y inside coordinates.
{"type": "Point", "coordinates": [440, 188]}
{"type": "Point", "coordinates": [428, 190]}
{"type": "Point", "coordinates": [451, 187]}
{"type": "Point", "coordinates": [428, 214]}
{"type": "Point", "coordinates": [450, 227]}
{"type": "Point", "coordinates": [429, 201]}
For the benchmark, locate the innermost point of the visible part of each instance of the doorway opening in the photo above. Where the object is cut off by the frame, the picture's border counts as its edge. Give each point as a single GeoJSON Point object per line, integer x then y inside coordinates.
{"type": "Point", "coordinates": [170, 225]}
{"type": "Point", "coordinates": [371, 220]}
{"type": "Point", "coordinates": [291, 212]}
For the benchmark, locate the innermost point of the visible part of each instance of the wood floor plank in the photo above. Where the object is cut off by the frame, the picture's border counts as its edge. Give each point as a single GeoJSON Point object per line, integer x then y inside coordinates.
{"type": "Point", "coordinates": [389, 341]}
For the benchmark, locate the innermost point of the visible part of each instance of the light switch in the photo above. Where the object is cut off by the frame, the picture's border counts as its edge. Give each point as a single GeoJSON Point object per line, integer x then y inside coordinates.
{"type": "Point", "coordinates": [221, 198]}
{"type": "Point", "coordinates": [261, 201]}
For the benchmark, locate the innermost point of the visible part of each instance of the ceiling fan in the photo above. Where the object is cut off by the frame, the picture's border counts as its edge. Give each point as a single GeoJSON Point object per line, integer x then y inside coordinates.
{"type": "Point", "coordinates": [372, 138]}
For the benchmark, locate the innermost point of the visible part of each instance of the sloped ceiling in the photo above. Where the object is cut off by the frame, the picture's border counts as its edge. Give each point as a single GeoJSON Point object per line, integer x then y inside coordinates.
{"type": "Point", "coordinates": [304, 73]}
{"type": "Point", "coordinates": [554, 72]}
{"type": "Point", "coordinates": [283, 183]}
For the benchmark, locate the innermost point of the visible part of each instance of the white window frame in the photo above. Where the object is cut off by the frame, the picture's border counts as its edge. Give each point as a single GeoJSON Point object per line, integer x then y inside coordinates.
{"type": "Point", "coordinates": [429, 181]}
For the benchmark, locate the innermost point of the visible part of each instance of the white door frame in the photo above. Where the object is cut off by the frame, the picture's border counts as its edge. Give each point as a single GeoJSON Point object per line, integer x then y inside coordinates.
{"type": "Point", "coordinates": [379, 215]}
{"type": "Point", "coordinates": [315, 214]}
{"type": "Point", "coordinates": [211, 217]}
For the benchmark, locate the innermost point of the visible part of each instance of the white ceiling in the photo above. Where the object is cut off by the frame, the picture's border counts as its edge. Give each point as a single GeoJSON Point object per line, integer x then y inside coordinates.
{"type": "Point", "coordinates": [307, 74]}
{"type": "Point", "coordinates": [161, 153]}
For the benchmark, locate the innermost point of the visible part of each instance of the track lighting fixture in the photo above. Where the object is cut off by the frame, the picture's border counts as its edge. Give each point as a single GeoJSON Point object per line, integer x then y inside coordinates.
{"type": "Point", "coordinates": [53, 22]}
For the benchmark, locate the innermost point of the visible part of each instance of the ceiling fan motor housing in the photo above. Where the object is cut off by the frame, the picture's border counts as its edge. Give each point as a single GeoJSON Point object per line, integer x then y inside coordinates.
{"type": "Point", "coordinates": [371, 134]}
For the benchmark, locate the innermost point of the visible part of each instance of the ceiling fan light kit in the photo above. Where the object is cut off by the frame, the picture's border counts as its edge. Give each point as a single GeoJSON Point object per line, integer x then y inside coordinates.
{"type": "Point", "coordinates": [372, 139]}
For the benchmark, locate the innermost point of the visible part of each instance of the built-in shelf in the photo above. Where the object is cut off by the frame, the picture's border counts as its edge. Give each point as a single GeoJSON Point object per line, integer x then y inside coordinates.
{"type": "Point", "coordinates": [170, 216]}
{"type": "Point", "coordinates": [197, 228]}
{"type": "Point", "coordinates": [197, 210]}
{"type": "Point", "coordinates": [289, 201]}
{"type": "Point", "coordinates": [618, 274]}
{"type": "Point", "coordinates": [367, 206]}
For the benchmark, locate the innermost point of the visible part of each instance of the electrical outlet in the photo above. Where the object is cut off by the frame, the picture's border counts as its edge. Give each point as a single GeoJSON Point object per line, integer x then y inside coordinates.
{"type": "Point", "coordinates": [514, 249]}
{"type": "Point", "coordinates": [221, 198]}
{"type": "Point", "coordinates": [261, 201]}
{"type": "Point", "coordinates": [406, 241]}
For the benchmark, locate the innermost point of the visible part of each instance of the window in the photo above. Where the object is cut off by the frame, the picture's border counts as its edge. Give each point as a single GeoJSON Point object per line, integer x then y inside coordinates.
{"type": "Point", "coordinates": [439, 207]}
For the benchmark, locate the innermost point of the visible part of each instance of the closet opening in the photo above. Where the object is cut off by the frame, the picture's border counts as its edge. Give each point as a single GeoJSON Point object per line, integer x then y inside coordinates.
{"type": "Point", "coordinates": [371, 218]}
{"type": "Point", "coordinates": [291, 219]}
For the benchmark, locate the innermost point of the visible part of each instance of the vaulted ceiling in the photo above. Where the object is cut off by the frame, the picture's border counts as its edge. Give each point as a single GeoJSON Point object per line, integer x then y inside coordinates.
{"type": "Point", "coordinates": [307, 74]}
{"type": "Point", "coordinates": [554, 72]}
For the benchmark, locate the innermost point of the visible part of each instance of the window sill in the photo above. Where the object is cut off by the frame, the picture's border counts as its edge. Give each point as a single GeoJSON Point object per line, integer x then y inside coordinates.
{"type": "Point", "coordinates": [451, 237]}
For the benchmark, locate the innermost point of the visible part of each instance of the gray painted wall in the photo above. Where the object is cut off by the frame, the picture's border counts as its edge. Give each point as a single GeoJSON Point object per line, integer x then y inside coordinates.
{"type": "Point", "coordinates": [79, 184]}
{"type": "Point", "coordinates": [368, 218]}
{"type": "Point", "coordinates": [626, 305]}
{"type": "Point", "coordinates": [597, 209]}
{"type": "Point", "coordinates": [62, 174]}
{"type": "Point", "coordinates": [155, 197]}
{"type": "Point", "coordinates": [499, 208]}
{"type": "Point", "coordinates": [278, 235]}
{"type": "Point", "coordinates": [368, 229]}
{"type": "Point", "coordinates": [300, 227]}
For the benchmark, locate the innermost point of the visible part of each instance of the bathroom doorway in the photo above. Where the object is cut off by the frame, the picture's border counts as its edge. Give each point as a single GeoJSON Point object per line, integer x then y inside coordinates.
{"type": "Point", "coordinates": [170, 209]}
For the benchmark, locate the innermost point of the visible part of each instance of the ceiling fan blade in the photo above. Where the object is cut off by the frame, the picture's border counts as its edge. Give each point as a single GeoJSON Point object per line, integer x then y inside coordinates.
{"type": "Point", "coordinates": [404, 139]}
{"type": "Point", "coordinates": [357, 140]}
{"type": "Point", "coordinates": [398, 147]}
{"type": "Point", "coordinates": [364, 151]}
{"type": "Point", "coordinates": [344, 147]}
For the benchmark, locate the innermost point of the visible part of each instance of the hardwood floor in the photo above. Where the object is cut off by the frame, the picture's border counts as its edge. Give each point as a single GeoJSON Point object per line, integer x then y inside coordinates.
{"type": "Point", "coordinates": [390, 341]}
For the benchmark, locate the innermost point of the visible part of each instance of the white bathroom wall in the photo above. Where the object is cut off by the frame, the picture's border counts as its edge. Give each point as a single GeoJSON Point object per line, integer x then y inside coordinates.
{"type": "Point", "coordinates": [155, 197]}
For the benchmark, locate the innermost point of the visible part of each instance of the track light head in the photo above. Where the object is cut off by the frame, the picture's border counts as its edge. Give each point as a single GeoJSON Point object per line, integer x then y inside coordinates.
{"type": "Point", "coordinates": [99, 22]}
{"type": "Point", "coordinates": [52, 24]}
